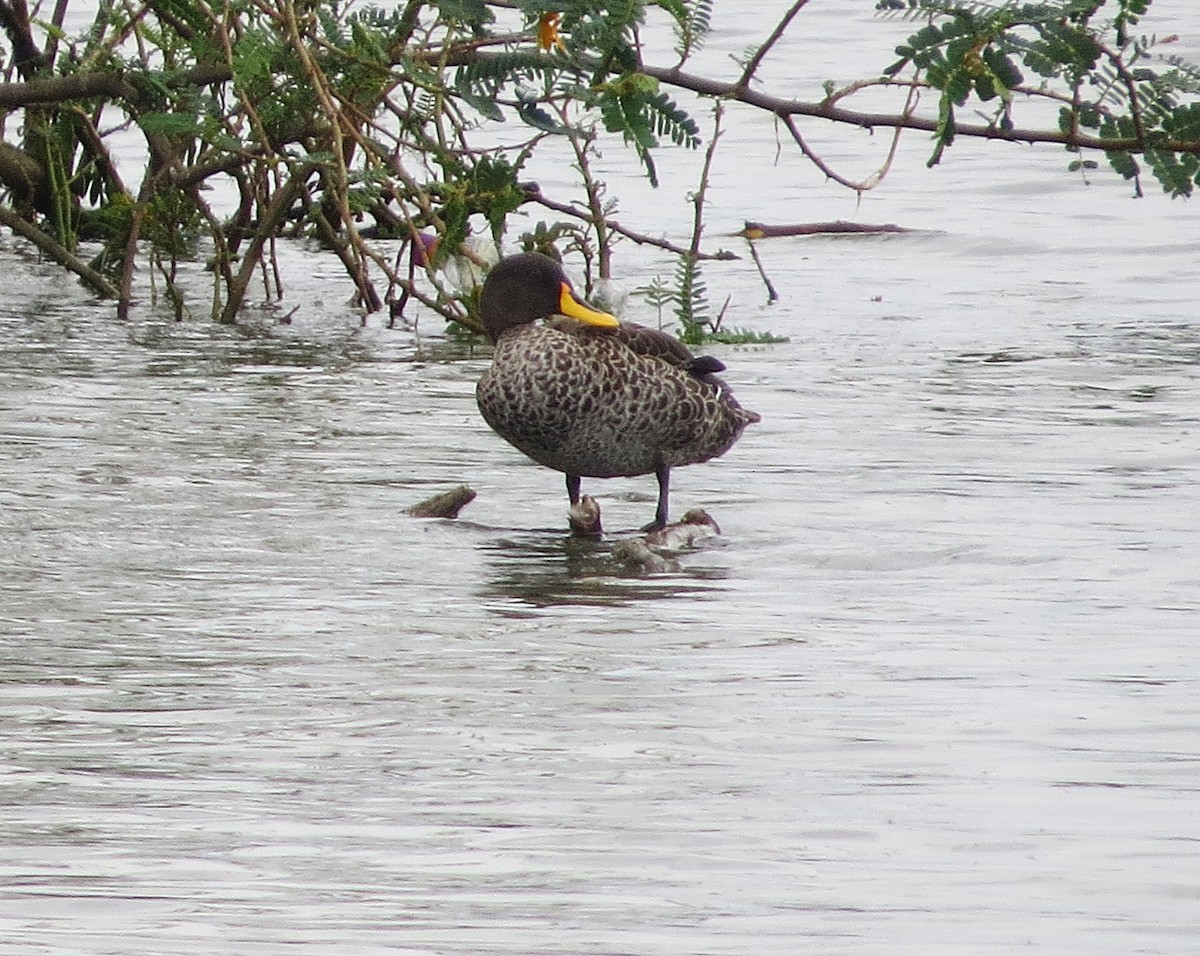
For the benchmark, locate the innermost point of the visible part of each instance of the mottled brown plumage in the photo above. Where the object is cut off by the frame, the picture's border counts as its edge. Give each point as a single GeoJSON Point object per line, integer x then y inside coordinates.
{"type": "Point", "coordinates": [591, 397]}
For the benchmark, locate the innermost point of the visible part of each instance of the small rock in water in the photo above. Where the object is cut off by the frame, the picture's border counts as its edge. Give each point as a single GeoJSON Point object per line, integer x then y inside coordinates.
{"type": "Point", "coordinates": [445, 505]}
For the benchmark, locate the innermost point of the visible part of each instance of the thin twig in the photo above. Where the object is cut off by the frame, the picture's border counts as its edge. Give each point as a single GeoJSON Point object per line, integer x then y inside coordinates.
{"type": "Point", "coordinates": [772, 295]}
{"type": "Point", "coordinates": [762, 51]}
{"type": "Point", "coordinates": [640, 238]}
{"type": "Point", "coordinates": [705, 173]}
{"type": "Point", "coordinates": [273, 216]}
{"type": "Point", "coordinates": [592, 188]}
{"type": "Point", "coordinates": [859, 186]}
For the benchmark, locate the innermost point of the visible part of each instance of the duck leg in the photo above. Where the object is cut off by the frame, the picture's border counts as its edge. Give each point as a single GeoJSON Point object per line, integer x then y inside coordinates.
{"type": "Point", "coordinates": [663, 474]}
{"type": "Point", "coordinates": [573, 488]}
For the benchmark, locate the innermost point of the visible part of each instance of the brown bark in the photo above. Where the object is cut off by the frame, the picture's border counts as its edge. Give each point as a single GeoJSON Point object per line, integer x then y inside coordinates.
{"type": "Point", "coordinates": [758, 230]}
{"type": "Point", "coordinates": [21, 174]}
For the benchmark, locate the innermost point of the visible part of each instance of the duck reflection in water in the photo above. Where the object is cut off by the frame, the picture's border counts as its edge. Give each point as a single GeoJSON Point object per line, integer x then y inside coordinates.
{"type": "Point", "coordinates": [538, 569]}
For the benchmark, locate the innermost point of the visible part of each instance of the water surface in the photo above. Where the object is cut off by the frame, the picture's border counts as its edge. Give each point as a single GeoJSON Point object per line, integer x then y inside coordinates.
{"type": "Point", "coordinates": [934, 691]}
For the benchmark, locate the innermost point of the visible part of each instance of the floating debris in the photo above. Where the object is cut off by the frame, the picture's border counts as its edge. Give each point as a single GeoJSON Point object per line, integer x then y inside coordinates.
{"type": "Point", "coordinates": [584, 518]}
{"type": "Point", "coordinates": [695, 526]}
{"type": "Point", "coordinates": [635, 553]}
{"type": "Point", "coordinates": [650, 553]}
{"type": "Point", "coordinates": [759, 230]}
{"type": "Point", "coordinates": [445, 505]}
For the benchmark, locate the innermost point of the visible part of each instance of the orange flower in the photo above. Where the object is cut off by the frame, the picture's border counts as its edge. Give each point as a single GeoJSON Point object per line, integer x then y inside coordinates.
{"type": "Point", "coordinates": [548, 35]}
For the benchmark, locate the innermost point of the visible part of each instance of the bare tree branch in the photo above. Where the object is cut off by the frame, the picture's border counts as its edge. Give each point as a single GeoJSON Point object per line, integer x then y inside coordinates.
{"type": "Point", "coordinates": [829, 110]}
{"type": "Point", "coordinates": [760, 54]}
{"type": "Point", "coordinates": [58, 252]}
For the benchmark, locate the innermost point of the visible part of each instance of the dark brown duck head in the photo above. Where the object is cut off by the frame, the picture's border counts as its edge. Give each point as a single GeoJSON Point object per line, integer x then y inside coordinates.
{"type": "Point", "coordinates": [527, 287]}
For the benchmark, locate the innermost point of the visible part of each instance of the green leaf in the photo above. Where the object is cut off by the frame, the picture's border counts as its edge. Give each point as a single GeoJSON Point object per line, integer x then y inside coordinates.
{"type": "Point", "coordinates": [473, 13]}
{"type": "Point", "coordinates": [1173, 172]}
{"type": "Point", "coordinates": [1184, 122]}
{"type": "Point", "coordinates": [538, 118]}
{"type": "Point", "coordinates": [623, 114]}
{"type": "Point", "coordinates": [692, 23]}
{"type": "Point", "coordinates": [182, 11]}
{"type": "Point", "coordinates": [671, 121]}
{"type": "Point", "coordinates": [1006, 72]}
{"type": "Point", "coordinates": [170, 124]}
{"type": "Point", "coordinates": [483, 105]}
{"type": "Point", "coordinates": [454, 214]}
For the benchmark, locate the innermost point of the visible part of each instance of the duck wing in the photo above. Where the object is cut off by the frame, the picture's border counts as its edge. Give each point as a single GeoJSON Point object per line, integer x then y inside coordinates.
{"type": "Point", "coordinates": [649, 342]}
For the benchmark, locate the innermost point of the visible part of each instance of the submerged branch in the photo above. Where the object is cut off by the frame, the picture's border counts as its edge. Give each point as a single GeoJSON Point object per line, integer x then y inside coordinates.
{"type": "Point", "coordinates": [758, 230]}
{"type": "Point", "coordinates": [281, 203]}
{"type": "Point", "coordinates": [58, 252]}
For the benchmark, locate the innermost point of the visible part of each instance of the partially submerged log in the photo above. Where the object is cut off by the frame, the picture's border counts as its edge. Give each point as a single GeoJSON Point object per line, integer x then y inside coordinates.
{"type": "Point", "coordinates": [447, 504]}
{"type": "Point", "coordinates": [758, 230]}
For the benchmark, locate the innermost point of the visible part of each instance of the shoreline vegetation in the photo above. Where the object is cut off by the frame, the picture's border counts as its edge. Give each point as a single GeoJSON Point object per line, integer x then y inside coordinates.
{"type": "Point", "coordinates": [353, 124]}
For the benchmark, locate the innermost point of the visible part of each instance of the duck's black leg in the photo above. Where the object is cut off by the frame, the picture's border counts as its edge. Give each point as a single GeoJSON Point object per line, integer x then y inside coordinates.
{"type": "Point", "coordinates": [663, 474]}
{"type": "Point", "coordinates": [573, 488]}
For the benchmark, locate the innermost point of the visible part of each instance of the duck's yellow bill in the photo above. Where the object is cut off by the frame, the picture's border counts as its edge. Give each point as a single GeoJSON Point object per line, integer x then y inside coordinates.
{"type": "Point", "coordinates": [569, 305]}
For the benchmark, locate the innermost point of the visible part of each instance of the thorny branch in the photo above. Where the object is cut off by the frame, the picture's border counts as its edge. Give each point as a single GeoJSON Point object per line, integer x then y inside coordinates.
{"type": "Point", "coordinates": [320, 120]}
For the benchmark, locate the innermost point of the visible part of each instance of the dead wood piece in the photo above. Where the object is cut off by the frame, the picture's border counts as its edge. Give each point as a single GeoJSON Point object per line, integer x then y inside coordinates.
{"type": "Point", "coordinates": [447, 504]}
{"type": "Point", "coordinates": [758, 230]}
{"type": "Point", "coordinates": [584, 518]}
{"type": "Point", "coordinates": [653, 553]}
{"type": "Point", "coordinates": [635, 554]}
{"type": "Point", "coordinates": [695, 526]}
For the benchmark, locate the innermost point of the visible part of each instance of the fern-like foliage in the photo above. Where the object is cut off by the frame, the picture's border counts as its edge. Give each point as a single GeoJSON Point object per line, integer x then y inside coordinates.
{"type": "Point", "coordinates": [1115, 82]}
{"type": "Point", "coordinates": [489, 75]}
{"type": "Point", "coordinates": [473, 14]}
{"type": "Point", "coordinates": [594, 64]}
{"type": "Point", "coordinates": [691, 300]}
{"type": "Point", "coordinates": [669, 120]}
{"type": "Point", "coordinates": [692, 19]}
{"type": "Point", "coordinates": [635, 108]}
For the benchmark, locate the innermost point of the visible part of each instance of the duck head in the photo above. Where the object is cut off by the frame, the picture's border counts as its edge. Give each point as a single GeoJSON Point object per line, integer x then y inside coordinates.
{"type": "Point", "coordinates": [524, 288]}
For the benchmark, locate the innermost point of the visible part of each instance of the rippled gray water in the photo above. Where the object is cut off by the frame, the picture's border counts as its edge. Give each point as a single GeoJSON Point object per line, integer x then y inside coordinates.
{"type": "Point", "coordinates": [935, 691]}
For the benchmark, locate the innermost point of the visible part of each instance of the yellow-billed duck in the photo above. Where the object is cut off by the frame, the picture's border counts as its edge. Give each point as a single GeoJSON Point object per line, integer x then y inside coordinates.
{"type": "Point", "coordinates": [580, 392]}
